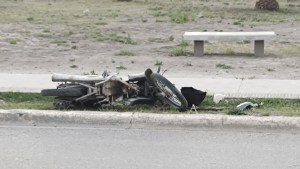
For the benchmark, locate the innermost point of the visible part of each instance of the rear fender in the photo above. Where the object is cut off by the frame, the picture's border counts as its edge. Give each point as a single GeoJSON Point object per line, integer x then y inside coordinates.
{"type": "Point", "coordinates": [148, 73]}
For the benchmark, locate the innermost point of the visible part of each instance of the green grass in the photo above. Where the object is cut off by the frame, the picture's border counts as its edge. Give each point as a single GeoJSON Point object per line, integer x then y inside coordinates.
{"type": "Point", "coordinates": [183, 44]}
{"type": "Point", "coordinates": [44, 35]}
{"type": "Point", "coordinates": [74, 47]}
{"type": "Point", "coordinates": [46, 31]}
{"type": "Point", "coordinates": [188, 64]}
{"type": "Point", "coordinates": [179, 11]}
{"type": "Point", "coordinates": [74, 66]}
{"type": "Point", "coordinates": [224, 66]}
{"type": "Point", "coordinates": [180, 17]}
{"type": "Point", "coordinates": [69, 33]}
{"type": "Point", "coordinates": [13, 42]}
{"type": "Point", "coordinates": [180, 51]}
{"type": "Point", "coordinates": [112, 14]}
{"type": "Point", "coordinates": [230, 51]}
{"type": "Point", "coordinates": [291, 49]}
{"type": "Point", "coordinates": [59, 42]}
{"type": "Point", "coordinates": [121, 67]}
{"type": "Point", "coordinates": [92, 72]}
{"type": "Point", "coordinates": [159, 13]}
{"type": "Point", "coordinates": [122, 39]}
{"type": "Point", "coordinates": [124, 53]}
{"type": "Point", "coordinates": [25, 101]}
{"type": "Point", "coordinates": [101, 23]}
{"type": "Point", "coordinates": [270, 107]}
{"type": "Point", "coordinates": [116, 38]}
{"type": "Point", "coordinates": [30, 19]}
{"type": "Point", "coordinates": [158, 63]}
{"type": "Point", "coordinates": [285, 107]}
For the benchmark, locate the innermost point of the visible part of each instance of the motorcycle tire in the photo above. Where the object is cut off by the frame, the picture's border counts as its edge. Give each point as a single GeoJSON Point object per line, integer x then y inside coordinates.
{"type": "Point", "coordinates": [65, 92]}
{"type": "Point", "coordinates": [172, 95]}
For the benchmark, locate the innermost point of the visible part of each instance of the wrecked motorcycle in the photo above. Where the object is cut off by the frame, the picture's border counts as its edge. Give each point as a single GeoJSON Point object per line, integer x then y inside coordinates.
{"type": "Point", "coordinates": [97, 91]}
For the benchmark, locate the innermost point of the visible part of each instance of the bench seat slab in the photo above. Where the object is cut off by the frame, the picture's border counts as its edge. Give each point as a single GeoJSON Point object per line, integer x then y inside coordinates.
{"type": "Point", "coordinates": [200, 37]}
{"type": "Point", "coordinates": [228, 35]}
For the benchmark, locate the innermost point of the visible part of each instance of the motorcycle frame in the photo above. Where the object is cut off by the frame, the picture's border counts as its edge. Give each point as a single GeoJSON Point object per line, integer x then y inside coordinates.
{"type": "Point", "coordinates": [98, 89]}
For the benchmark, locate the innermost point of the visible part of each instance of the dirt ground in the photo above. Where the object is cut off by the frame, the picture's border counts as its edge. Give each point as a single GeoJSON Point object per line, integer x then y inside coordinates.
{"type": "Point", "coordinates": [32, 43]}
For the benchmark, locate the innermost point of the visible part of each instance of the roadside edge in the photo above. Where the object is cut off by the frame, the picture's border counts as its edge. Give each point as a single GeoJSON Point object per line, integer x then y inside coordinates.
{"type": "Point", "coordinates": [145, 120]}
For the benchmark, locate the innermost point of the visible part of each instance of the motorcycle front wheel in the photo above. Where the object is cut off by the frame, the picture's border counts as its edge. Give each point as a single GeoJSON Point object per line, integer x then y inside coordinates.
{"type": "Point", "coordinates": [171, 95]}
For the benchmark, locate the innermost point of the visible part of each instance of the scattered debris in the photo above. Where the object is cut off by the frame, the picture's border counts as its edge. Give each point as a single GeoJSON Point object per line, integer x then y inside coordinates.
{"type": "Point", "coordinates": [246, 105]}
{"type": "Point", "coordinates": [193, 108]}
{"type": "Point", "coordinates": [86, 11]}
{"type": "Point", "coordinates": [193, 96]}
{"type": "Point", "coordinates": [213, 108]}
{"type": "Point", "coordinates": [2, 101]}
{"type": "Point", "coordinates": [218, 97]}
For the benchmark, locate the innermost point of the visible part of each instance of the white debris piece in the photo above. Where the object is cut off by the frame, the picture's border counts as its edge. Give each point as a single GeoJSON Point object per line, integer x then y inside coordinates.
{"type": "Point", "coordinates": [218, 97]}
{"type": "Point", "coordinates": [2, 101]}
{"type": "Point", "coordinates": [246, 105]}
{"type": "Point", "coordinates": [86, 11]}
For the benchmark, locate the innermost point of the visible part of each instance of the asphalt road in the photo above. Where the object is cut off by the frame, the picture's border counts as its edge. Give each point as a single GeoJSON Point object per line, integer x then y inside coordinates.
{"type": "Point", "coordinates": [25, 147]}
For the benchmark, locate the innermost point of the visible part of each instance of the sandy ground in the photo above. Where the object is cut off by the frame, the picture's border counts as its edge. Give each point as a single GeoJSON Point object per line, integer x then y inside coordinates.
{"type": "Point", "coordinates": [38, 55]}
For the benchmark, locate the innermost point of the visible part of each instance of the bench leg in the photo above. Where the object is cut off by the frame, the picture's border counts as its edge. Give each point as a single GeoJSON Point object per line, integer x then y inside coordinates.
{"type": "Point", "coordinates": [198, 48]}
{"type": "Point", "coordinates": [259, 48]}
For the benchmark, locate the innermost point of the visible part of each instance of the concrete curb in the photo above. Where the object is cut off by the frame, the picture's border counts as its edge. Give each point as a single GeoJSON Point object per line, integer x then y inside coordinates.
{"type": "Point", "coordinates": [35, 117]}
{"type": "Point", "coordinates": [214, 121]}
{"type": "Point", "coordinates": [148, 120]}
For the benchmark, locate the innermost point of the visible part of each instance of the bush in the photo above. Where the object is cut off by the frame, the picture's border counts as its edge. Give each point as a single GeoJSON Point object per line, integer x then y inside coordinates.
{"type": "Point", "coordinates": [181, 51]}
{"type": "Point", "coordinates": [125, 53]}
{"type": "Point", "coordinates": [179, 17]}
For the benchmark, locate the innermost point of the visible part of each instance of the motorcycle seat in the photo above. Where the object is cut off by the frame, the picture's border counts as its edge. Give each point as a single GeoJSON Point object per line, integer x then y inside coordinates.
{"type": "Point", "coordinates": [76, 78]}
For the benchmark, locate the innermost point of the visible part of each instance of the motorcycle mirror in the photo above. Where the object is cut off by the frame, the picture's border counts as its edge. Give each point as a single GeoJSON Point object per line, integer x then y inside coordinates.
{"type": "Point", "coordinates": [158, 69]}
{"type": "Point", "coordinates": [164, 72]}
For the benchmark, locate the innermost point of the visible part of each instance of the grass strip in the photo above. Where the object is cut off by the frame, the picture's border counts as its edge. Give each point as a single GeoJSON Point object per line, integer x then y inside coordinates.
{"type": "Point", "coordinates": [16, 100]}
{"type": "Point", "coordinates": [270, 107]}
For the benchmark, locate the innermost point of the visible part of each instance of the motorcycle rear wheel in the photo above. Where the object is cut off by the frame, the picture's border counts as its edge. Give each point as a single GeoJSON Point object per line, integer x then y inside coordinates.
{"type": "Point", "coordinates": [65, 92]}
{"type": "Point", "coordinates": [171, 94]}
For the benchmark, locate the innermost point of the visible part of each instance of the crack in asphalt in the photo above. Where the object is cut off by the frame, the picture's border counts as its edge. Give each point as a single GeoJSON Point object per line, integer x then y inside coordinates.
{"type": "Point", "coordinates": [131, 120]}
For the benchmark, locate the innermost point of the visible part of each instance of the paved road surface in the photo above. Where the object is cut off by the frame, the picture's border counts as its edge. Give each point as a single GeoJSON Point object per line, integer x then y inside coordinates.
{"type": "Point", "coordinates": [87, 147]}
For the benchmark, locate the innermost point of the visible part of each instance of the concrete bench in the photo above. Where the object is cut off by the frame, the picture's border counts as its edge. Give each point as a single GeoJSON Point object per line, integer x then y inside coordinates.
{"type": "Point", "coordinates": [200, 37]}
